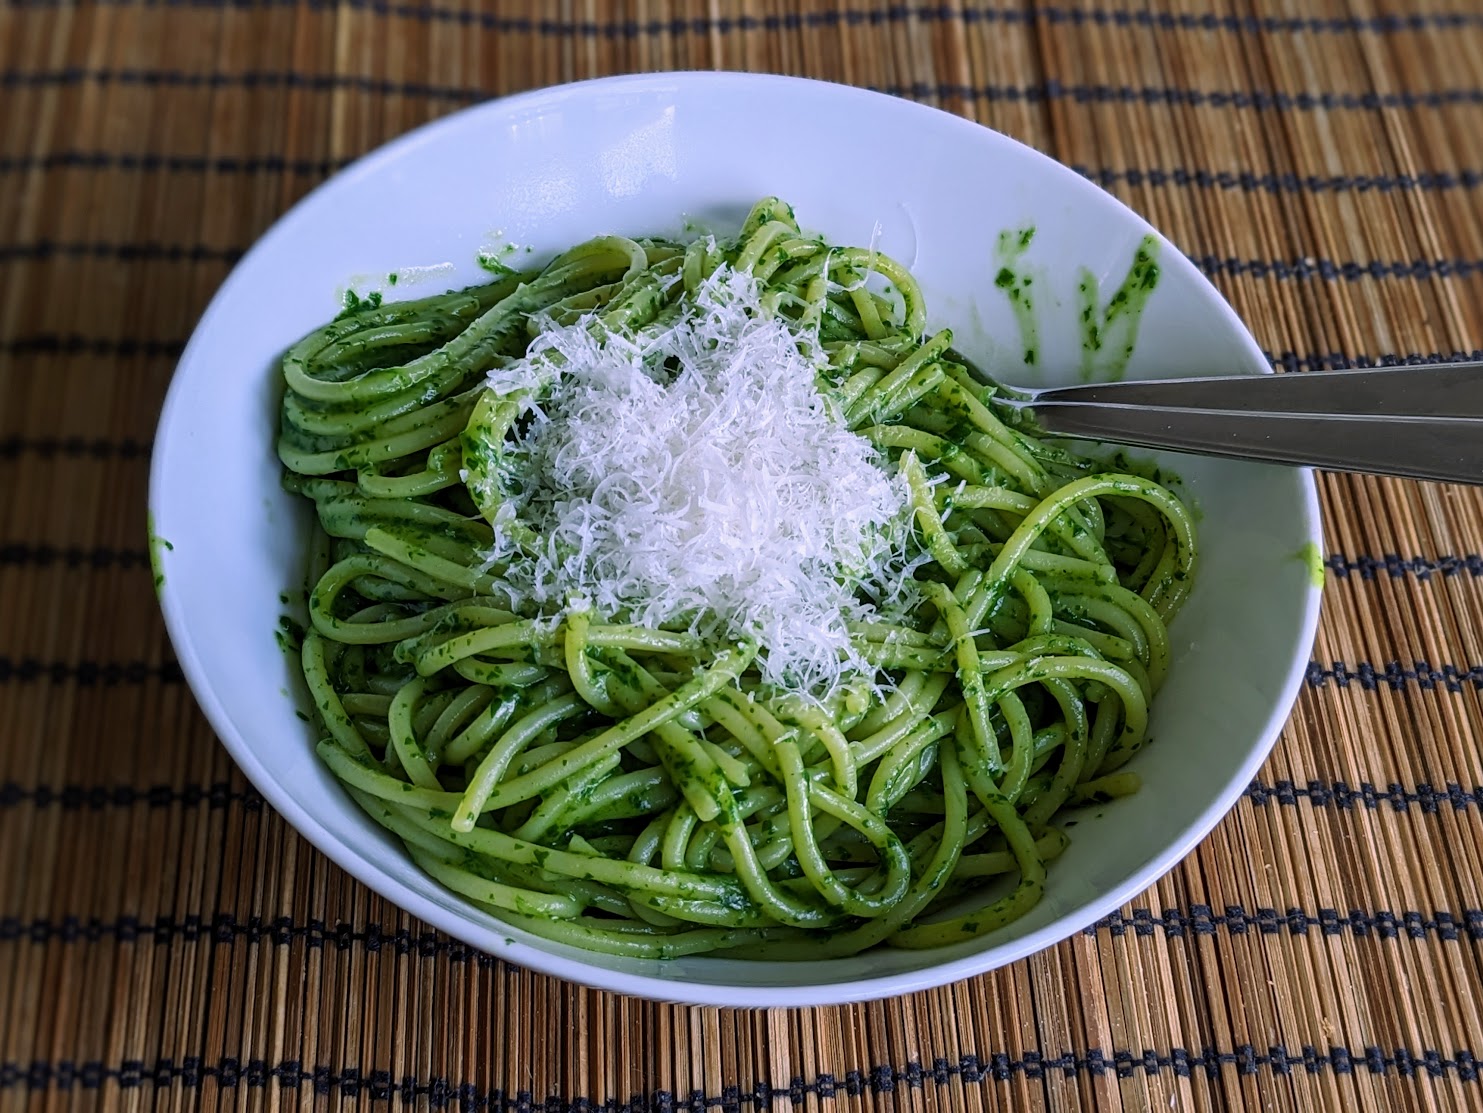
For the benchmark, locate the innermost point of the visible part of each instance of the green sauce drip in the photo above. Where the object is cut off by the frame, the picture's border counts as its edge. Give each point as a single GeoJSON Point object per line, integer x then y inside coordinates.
{"type": "Point", "coordinates": [1109, 333]}
{"type": "Point", "coordinates": [158, 546]}
{"type": "Point", "coordinates": [354, 303]}
{"type": "Point", "coordinates": [289, 635]}
{"type": "Point", "coordinates": [1313, 559]}
{"type": "Point", "coordinates": [493, 259]}
{"type": "Point", "coordinates": [1018, 286]}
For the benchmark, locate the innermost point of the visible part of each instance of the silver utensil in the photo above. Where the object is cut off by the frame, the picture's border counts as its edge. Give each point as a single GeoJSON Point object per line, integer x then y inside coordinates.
{"type": "Point", "coordinates": [1421, 422]}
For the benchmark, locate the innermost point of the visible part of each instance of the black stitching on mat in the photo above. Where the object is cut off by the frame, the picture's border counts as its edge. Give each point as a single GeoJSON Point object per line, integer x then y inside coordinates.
{"type": "Point", "coordinates": [77, 797]}
{"type": "Point", "coordinates": [1050, 90]}
{"type": "Point", "coordinates": [1395, 676]}
{"type": "Point", "coordinates": [72, 557]}
{"type": "Point", "coordinates": [1329, 270]}
{"type": "Point", "coordinates": [53, 343]}
{"type": "Point", "coordinates": [224, 929]}
{"type": "Point", "coordinates": [1363, 567]}
{"type": "Point", "coordinates": [1340, 795]}
{"type": "Point", "coordinates": [1245, 181]}
{"type": "Point", "coordinates": [186, 164]}
{"type": "Point", "coordinates": [1338, 361]}
{"type": "Point", "coordinates": [1398, 567]}
{"type": "Point", "coordinates": [850, 17]}
{"type": "Point", "coordinates": [1429, 798]}
{"type": "Point", "coordinates": [43, 250]}
{"type": "Point", "coordinates": [1279, 269]}
{"type": "Point", "coordinates": [1234, 919]}
{"type": "Point", "coordinates": [95, 448]}
{"type": "Point", "coordinates": [108, 674]}
{"type": "Point", "coordinates": [230, 1072]}
{"type": "Point", "coordinates": [73, 344]}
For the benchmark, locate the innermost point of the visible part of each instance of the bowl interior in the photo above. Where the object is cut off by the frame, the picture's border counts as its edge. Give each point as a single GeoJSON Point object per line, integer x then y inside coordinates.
{"type": "Point", "coordinates": [536, 173]}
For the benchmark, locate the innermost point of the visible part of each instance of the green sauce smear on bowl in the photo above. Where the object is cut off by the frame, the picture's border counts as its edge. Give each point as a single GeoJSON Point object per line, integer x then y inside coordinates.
{"type": "Point", "coordinates": [1313, 559]}
{"type": "Point", "coordinates": [158, 546]}
{"type": "Point", "coordinates": [1110, 332]}
{"type": "Point", "coordinates": [1018, 287]}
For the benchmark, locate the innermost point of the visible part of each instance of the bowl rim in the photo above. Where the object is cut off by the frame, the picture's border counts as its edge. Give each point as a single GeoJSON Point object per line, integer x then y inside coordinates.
{"type": "Point", "coordinates": [713, 993]}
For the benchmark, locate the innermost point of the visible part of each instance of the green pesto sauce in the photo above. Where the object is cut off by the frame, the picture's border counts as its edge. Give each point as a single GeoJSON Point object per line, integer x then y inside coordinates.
{"type": "Point", "coordinates": [1313, 559]}
{"type": "Point", "coordinates": [354, 303]}
{"type": "Point", "coordinates": [1109, 332]}
{"type": "Point", "coordinates": [158, 546]}
{"type": "Point", "coordinates": [1018, 287]}
{"type": "Point", "coordinates": [290, 636]}
{"type": "Point", "coordinates": [1146, 467]}
{"type": "Point", "coordinates": [492, 259]}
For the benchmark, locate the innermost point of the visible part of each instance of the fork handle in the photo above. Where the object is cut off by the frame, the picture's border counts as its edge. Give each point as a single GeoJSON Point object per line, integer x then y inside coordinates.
{"type": "Point", "coordinates": [1449, 449]}
{"type": "Point", "coordinates": [1438, 390]}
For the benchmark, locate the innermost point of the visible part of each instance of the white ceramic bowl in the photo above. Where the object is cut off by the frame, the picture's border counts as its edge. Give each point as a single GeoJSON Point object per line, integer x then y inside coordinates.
{"type": "Point", "coordinates": [640, 155]}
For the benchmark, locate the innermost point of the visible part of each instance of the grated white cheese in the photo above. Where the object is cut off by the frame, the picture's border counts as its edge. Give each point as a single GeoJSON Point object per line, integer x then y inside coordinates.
{"type": "Point", "coordinates": [699, 477]}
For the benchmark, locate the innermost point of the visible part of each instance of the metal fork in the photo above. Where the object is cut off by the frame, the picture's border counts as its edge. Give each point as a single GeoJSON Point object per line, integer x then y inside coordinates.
{"type": "Point", "coordinates": [1421, 422]}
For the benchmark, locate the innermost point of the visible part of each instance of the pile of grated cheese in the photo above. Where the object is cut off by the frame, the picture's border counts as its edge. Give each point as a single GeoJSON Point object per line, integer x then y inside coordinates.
{"type": "Point", "coordinates": [697, 477]}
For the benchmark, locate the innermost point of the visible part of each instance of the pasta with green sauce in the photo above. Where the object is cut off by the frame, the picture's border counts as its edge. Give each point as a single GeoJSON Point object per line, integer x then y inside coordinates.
{"type": "Point", "coordinates": [654, 785]}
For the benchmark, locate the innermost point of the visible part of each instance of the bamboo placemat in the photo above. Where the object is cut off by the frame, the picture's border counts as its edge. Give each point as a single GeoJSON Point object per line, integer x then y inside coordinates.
{"type": "Point", "coordinates": [167, 941]}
